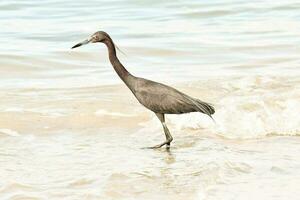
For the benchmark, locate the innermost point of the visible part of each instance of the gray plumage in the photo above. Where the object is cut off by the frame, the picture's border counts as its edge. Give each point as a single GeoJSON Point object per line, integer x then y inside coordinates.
{"type": "Point", "coordinates": [157, 97]}
{"type": "Point", "coordinates": [161, 98]}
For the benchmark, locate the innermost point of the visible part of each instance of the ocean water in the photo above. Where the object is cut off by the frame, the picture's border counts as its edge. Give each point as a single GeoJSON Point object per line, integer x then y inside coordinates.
{"type": "Point", "coordinates": [70, 129]}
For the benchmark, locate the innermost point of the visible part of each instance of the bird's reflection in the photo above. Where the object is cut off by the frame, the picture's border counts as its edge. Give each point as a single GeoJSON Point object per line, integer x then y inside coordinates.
{"type": "Point", "coordinates": [169, 156]}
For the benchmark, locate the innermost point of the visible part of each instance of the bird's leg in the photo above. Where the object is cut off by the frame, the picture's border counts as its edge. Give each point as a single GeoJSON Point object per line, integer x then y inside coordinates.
{"type": "Point", "coordinates": [168, 135]}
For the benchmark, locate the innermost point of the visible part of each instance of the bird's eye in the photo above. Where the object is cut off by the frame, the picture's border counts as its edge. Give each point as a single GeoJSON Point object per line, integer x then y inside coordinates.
{"type": "Point", "coordinates": [94, 39]}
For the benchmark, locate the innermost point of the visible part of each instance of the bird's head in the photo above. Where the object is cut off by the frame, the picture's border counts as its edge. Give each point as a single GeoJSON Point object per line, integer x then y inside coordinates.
{"type": "Point", "coordinates": [99, 36]}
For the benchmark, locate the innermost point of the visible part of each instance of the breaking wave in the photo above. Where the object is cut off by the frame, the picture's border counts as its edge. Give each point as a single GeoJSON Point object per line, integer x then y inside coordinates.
{"type": "Point", "coordinates": [249, 107]}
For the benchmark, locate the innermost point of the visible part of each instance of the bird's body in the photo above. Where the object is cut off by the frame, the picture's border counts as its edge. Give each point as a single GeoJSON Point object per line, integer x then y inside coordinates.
{"type": "Point", "coordinates": [157, 97]}
{"type": "Point", "coordinates": [161, 98]}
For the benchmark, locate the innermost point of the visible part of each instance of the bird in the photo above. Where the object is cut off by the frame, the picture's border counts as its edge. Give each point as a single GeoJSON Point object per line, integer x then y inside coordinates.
{"type": "Point", "coordinates": [157, 97]}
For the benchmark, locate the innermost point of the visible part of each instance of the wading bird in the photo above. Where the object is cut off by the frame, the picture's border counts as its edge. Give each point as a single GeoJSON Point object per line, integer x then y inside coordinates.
{"type": "Point", "coordinates": [157, 97]}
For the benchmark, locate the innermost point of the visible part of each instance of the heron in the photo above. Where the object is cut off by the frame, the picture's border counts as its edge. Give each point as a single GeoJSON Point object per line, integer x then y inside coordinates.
{"type": "Point", "coordinates": [157, 97]}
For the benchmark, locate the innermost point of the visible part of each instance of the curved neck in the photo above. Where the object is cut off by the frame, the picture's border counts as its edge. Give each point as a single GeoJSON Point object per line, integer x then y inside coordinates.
{"type": "Point", "coordinates": [119, 68]}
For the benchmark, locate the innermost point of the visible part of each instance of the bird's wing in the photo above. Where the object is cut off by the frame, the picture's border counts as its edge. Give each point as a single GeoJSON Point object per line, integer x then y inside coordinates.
{"type": "Point", "coordinates": [161, 98]}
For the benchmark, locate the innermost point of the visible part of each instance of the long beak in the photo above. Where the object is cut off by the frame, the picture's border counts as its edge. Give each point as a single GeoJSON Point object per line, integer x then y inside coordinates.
{"type": "Point", "coordinates": [81, 43]}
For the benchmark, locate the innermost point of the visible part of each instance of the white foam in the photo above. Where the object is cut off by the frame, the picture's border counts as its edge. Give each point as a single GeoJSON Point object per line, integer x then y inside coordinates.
{"type": "Point", "coordinates": [190, 121]}
{"type": "Point", "coordinates": [102, 112]}
{"type": "Point", "coordinates": [14, 109]}
{"type": "Point", "coordinates": [251, 114]}
{"type": "Point", "coordinates": [251, 107]}
{"type": "Point", "coordinates": [9, 132]}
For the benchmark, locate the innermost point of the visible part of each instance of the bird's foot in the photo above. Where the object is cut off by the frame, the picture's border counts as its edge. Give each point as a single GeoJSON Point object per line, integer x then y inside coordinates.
{"type": "Point", "coordinates": [167, 143]}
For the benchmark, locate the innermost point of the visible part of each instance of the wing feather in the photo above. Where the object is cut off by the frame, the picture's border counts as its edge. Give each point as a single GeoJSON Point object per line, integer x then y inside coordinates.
{"type": "Point", "coordinates": [161, 98]}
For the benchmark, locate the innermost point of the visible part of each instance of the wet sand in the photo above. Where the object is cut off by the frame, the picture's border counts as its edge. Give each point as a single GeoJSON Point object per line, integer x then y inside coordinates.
{"type": "Point", "coordinates": [87, 144]}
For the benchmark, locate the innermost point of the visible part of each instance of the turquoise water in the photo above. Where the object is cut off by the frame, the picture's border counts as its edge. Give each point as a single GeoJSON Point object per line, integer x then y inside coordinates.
{"type": "Point", "coordinates": [207, 38]}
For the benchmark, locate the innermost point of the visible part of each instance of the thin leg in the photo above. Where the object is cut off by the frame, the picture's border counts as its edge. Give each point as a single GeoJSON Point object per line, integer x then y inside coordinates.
{"type": "Point", "coordinates": [168, 135]}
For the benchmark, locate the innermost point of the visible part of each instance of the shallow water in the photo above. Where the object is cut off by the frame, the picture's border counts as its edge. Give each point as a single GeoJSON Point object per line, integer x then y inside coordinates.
{"type": "Point", "coordinates": [69, 128]}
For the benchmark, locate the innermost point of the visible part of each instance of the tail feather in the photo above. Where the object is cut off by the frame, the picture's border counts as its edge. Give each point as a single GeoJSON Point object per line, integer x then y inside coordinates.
{"type": "Point", "coordinates": [209, 108]}
{"type": "Point", "coordinates": [204, 107]}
